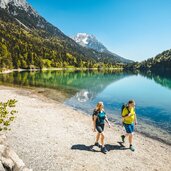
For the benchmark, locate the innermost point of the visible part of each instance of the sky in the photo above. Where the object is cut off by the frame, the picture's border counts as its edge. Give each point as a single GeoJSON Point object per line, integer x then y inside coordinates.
{"type": "Point", "coordinates": [134, 29]}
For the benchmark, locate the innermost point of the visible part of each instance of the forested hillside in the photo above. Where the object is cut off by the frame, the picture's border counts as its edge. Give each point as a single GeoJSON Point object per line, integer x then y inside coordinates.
{"type": "Point", "coordinates": [27, 45]}
{"type": "Point", "coordinates": [161, 62]}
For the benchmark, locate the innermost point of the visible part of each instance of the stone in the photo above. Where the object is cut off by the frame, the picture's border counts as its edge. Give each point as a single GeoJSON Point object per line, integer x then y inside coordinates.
{"type": "Point", "coordinates": [9, 159]}
{"type": "Point", "coordinates": [7, 163]}
{"type": "Point", "coordinates": [18, 163]}
{"type": "Point", "coordinates": [1, 167]}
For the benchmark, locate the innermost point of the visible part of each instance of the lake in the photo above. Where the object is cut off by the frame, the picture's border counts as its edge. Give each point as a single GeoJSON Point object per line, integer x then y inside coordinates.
{"type": "Point", "coordinates": [151, 92]}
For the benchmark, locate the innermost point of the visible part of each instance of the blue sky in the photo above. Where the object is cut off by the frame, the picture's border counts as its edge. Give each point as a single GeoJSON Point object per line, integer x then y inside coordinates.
{"type": "Point", "coordinates": [135, 29]}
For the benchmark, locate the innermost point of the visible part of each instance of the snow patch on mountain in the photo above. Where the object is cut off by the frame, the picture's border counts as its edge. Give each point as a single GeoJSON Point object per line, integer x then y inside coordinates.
{"type": "Point", "coordinates": [89, 41]}
{"type": "Point", "coordinates": [81, 38]}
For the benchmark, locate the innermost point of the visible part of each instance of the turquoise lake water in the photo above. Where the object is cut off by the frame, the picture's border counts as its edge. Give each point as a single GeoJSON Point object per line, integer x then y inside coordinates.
{"type": "Point", "coordinates": [152, 93]}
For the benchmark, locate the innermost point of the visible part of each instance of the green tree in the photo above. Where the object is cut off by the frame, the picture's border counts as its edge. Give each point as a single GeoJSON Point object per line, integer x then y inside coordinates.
{"type": "Point", "coordinates": [5, 57]}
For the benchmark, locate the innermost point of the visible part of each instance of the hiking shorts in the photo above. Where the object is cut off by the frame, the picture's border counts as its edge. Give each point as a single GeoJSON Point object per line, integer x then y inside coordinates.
{"type": "Point", "coordinates": [100, 128]}
{"type": "Point", "coordinates": [129, 128]}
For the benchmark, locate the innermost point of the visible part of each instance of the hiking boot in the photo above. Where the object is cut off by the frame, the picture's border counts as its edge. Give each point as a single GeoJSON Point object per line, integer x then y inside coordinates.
{"type": "Point", "coordinates": [104, 150]}
{"type": "Point", "coordinates": [132, 148]}
{"type": "Point", "coordinates": [123, 138]}
{"type": "Point", "coordinates": [97, 144]}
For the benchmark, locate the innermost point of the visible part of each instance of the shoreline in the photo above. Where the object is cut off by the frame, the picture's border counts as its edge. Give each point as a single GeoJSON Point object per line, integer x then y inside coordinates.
{"type": "Point", "coordinates": [48, 136]}
{"type": "Point", "coordinates": [145, 134]}
{"type": "Point", "coordinates": [6, 71]}
{"type": "Point", "coordinates": [49, 94]}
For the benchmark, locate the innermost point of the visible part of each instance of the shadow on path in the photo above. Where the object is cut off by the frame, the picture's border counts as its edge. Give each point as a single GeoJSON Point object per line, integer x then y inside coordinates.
{"type": "Point", "coordinates": [116, 146]}
{"type": "Point", "coordinates": [109, 147]}
{"type": "Point", "coordinates": [84, 147]}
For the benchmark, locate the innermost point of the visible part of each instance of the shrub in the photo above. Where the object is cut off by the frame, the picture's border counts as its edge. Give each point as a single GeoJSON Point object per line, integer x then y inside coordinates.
{"type": "Point", "coordinates": [7, 114]}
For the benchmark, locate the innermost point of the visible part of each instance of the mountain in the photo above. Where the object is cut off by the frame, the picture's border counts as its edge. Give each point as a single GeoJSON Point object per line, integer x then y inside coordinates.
{"type": "Point", "coordinates": [161, 62]}
{"type": "Point", "coordinates": [91, 42]}
{"type": "Point", "coordinates": [24, 14]}
{"type": "Point", "coordinates": [19, 3]}
{"type": "Point", "coordinates": [27, 40]}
